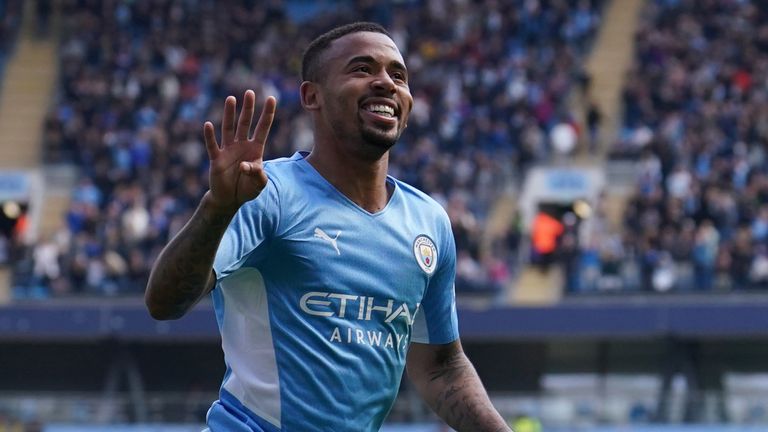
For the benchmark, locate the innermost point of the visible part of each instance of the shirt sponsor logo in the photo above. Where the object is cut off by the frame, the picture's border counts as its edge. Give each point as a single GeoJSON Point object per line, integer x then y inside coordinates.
{"type": "Point", "coordinates": [379, 339]}
{"type": "Point", "coordinates": [353, 307]}
{"type": "Point", "coordinates": [360, 308]}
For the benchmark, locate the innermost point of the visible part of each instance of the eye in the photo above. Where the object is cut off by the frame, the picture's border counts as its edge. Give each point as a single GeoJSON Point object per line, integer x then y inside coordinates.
{"type": "Point", "coordinates": [362, 68]}
{"type": "Point", "coordinates": [399, 76]}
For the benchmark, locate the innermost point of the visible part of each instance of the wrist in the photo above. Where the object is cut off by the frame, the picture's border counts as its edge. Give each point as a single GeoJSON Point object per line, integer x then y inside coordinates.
{"type": "Point", "coordinates": [215, 211]}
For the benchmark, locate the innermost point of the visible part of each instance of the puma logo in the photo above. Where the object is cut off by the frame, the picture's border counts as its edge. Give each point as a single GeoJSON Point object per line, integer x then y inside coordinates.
{"type": "Point", "coordinates": [323, 236]}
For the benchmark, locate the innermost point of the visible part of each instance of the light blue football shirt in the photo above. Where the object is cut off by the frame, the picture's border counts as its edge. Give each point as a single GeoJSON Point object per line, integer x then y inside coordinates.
{"type": "Point", "coordinates": [317, 301]}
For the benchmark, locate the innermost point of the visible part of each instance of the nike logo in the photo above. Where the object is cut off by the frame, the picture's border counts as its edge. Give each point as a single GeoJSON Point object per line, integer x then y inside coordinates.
{"type": "Point", "coordinates": [322, 235]}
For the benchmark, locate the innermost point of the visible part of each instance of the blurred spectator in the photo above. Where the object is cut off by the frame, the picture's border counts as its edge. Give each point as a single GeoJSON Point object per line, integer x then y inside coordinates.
{"type": "Point", "coordinates": [569, 256]}
{"type": "Point", "coordinates": [10, 20]}
{"type": "Point", "coordinates": [5, 250]}
{"type": "Point", "coordinates": [594, 120]}
{"type": "Point", "coordinates": [46, 262]}
{"type": "Point", "coordinates": [704, 257]}
{"type": "Point", "coordinates": [545, 234]}
{"type": "Point", "coordinates": [43, 11]}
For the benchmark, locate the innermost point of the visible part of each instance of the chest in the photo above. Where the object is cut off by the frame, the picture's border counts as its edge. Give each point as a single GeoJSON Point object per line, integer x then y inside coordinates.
{"type": "Point", "coordinates": [355, 255]}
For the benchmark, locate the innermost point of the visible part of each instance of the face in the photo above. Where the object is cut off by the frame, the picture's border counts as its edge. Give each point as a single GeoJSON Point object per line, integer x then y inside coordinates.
{"type": "Point", "coordinates": [364, 94]}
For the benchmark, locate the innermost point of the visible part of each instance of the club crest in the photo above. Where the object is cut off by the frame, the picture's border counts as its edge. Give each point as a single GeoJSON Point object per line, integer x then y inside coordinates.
{"type": "Point", "coordinates": [425, 252]}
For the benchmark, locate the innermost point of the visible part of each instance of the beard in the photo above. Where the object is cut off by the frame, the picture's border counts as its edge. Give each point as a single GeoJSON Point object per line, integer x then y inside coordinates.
{"type": "Point", "coordinates": [373, 141]}
{"type": "Point", "coordinates": [378, 138]}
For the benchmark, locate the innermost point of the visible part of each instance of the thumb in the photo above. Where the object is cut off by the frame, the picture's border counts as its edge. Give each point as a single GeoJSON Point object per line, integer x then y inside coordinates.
{"type": "Point", "coordinates": [247, 168]}
{"type": "Point", "coordinates": [254, 170]}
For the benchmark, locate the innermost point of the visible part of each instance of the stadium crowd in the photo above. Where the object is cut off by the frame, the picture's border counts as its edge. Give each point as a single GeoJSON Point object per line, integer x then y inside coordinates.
{"type": "Point", "coordinates": [696, 120]}
{"type": "Point", "coordinates": [139, 78]}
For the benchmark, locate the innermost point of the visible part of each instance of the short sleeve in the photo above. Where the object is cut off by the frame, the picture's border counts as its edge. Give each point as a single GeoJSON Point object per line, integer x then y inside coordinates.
{"type": "Point", "coordinates": [249, 233]}
{"type": "Point", "coordinates": [436, 321]}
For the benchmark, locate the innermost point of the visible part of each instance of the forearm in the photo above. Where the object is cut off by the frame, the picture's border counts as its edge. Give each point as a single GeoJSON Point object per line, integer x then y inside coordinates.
{"type": "Point", "coordinates": [455, 393]}
{"type": "Point", "coordinates": [182, 273]}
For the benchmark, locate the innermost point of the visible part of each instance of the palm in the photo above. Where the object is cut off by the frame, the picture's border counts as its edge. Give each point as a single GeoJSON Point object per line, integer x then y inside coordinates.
{"type": "Point", "coordinates": [236, 173]}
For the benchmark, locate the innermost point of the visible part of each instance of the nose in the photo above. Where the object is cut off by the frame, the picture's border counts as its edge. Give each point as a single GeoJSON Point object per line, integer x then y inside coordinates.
{"type": "Point", "coordinates": [382, 82]}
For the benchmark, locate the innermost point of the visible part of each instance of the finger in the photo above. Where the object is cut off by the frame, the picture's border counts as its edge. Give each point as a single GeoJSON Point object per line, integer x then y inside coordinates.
{"type": "Point", "coordinates": [264, 124]}
{"type": "Point", "coordinates": [246, 116]}
{"type": "Point", "coordinates": [228, 122]}
{"type": "Point", "coordinates": [210, 141]}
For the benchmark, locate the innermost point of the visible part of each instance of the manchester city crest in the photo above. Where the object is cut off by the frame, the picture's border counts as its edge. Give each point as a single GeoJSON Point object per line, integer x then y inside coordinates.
{"type": "Point", "coordinates": [425, 252]}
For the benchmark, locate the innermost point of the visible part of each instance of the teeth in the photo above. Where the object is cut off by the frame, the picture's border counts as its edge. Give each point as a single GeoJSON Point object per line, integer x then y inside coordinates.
{"type": "Point", "coordinates": [381, 109]}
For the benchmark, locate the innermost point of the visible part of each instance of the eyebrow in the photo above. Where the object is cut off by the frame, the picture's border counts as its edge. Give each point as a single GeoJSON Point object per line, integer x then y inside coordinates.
{"type": "Point", "coordinates": [370, 60]}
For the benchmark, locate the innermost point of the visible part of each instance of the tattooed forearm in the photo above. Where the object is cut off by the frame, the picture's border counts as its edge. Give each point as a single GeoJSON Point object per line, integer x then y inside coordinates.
{"type": "Point", "coordinates": [188, 258]}
{"type": "Point", "coordinates": [461, 399]}
{"type": "Point", "coordinates": [181, 273]}
{"type": "Point", "coordinates": [449, 368]}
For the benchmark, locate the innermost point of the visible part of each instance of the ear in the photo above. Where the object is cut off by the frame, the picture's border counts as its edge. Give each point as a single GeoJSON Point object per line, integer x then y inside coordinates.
{"type": "Point", "coordinates": [310, 96]}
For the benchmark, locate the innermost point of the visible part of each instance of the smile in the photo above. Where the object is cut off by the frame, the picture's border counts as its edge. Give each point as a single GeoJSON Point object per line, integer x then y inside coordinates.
{"type": "Point", "coordinates": [380, 113]}
{"type": "Point", "coordinates": [382, 110]}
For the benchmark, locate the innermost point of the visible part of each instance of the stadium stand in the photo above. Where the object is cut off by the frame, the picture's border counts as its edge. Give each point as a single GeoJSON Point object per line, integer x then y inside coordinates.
{"type": "Point", "coordinates": [694, 117]}
{"type": "Point", "coordinates": [129, 117]}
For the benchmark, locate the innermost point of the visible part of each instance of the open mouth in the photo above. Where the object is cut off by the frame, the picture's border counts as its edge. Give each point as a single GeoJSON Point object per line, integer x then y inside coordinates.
{"type": "Point", "coordinates": [381, 113]}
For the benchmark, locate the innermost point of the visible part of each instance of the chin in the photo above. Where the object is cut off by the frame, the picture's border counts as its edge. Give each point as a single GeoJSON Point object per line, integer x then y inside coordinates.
{"type": "Point", "coordinates": [379, 139]}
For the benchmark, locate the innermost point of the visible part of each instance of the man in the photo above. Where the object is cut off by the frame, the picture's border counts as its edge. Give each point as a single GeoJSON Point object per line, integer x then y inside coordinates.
{"type": "Point", "coordinates": [328, 277]}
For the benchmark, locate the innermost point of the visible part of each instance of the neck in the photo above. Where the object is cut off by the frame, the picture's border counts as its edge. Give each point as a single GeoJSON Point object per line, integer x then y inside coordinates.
{"type": "Point", "coordinates": [362, 181]}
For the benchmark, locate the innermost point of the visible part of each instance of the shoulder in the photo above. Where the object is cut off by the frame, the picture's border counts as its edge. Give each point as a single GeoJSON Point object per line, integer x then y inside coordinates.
{"type": "Point", "coordinates": [282, 167]}
{"type": "Point", "coordinates": [288, 184]}
{"type": "Point", "coordinates": [281, 177]}
{"type": "Point", "coordinates": [285, 173]}
{"type": "Point", "coordinates": [419, 198]}
{"type": "Point", "coordinates": [432, 214]}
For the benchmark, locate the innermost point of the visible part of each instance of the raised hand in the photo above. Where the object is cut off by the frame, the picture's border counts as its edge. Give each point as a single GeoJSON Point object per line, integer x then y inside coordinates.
{"type": "Point", "coordinates": [237, 166]}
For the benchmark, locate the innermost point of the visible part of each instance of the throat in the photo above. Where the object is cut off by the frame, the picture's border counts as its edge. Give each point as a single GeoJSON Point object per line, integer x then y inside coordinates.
{"type": "Point", "coordinates": [372, 200]}
{"type": "Point", "coordinates": [364, 184]}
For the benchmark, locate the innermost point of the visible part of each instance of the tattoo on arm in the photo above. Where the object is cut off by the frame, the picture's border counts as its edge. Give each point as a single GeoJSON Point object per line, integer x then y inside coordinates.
{"type": "Point", "coordinates": [182, 271]}
{"type": "Point", "coordinates": [462, 401]}
{"type": "Point", "coordinates": [192, 255]}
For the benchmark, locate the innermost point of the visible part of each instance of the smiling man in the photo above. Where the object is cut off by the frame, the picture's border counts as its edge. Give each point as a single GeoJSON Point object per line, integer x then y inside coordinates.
{"type": "Point", "coordinates": [328, 276]}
